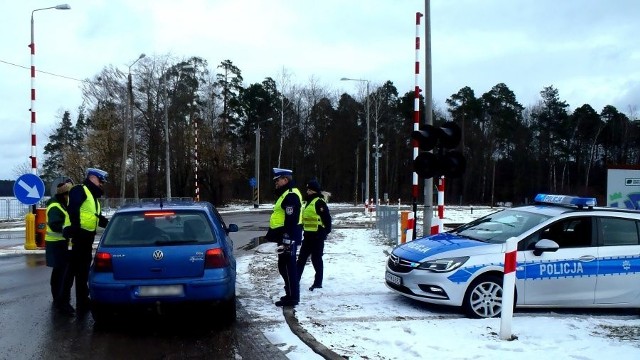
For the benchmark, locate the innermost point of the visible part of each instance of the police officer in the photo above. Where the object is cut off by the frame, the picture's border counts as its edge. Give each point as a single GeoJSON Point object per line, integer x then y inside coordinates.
{"type": "Point", "coordinates": [57, 248]}
{"type": "Point", "coordinates": [285, 228]}
{"type": "Point", "coordinates": [316, 223]}
{"type": "Point", "coordinates": [85, 217]}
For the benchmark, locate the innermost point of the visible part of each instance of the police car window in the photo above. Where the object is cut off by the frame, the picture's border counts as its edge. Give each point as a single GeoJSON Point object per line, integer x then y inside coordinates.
{"type": "Point", "coordinates": [569, 233]}
{"type": "Point", "coordinates": [617, 232]}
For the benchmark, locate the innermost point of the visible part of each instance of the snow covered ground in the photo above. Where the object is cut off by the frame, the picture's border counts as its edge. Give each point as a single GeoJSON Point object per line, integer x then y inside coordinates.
{"type": "Point", "coordinates": [358, 317]}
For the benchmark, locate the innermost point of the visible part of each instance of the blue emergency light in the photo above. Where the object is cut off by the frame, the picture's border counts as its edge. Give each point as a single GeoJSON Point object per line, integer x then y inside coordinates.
{"type": "Point", "coordinates": [565, 200]}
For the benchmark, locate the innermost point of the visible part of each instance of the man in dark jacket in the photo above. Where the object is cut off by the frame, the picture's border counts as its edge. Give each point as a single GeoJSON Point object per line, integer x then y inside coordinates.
{"type": "Point", "coordinates": [285, 229]}
{"type": "Point", "coordinates": [316, 222]}
{"type": "Point", "coordinates": [85, 217]}
{"type": "Point", "coordinates": [57, 248]}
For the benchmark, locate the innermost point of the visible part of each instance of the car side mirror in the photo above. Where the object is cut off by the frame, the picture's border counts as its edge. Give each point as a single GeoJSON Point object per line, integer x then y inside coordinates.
{"type": "Point", "coordinates": [232, 228]}
{"type": "Point", "coordinates": [545, 245]}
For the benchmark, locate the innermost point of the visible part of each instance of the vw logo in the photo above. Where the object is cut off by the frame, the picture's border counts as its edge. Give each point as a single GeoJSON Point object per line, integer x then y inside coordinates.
{"type": "Point", "coordinates": [395, 260]}
{"type": "Point", "coordinates": [158, 255]}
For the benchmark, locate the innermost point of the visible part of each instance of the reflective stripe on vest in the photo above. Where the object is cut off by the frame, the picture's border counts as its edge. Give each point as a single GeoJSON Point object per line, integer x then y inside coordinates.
{"type": "Point", "coordinates": [277, 217]}
{"type": "Point", "coordinates": [51, 235]}
{"type": "Point", "coordinates": [89, 211]}
{"type": "Point", "coordinates": [310, 218]}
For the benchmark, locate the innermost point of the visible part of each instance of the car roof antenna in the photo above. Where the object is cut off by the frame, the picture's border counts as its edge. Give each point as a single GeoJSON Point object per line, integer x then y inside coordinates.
{"type": "Point", "coordinates": [161, 203]}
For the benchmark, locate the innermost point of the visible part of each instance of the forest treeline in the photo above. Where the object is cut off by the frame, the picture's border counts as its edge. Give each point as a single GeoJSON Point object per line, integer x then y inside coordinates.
{"type": "Point", "coordinates": [212, 116]}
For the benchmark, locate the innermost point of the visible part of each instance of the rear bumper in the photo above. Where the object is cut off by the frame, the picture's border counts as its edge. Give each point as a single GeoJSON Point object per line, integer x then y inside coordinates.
{"type": "Point", "coordinates": [104, 289]}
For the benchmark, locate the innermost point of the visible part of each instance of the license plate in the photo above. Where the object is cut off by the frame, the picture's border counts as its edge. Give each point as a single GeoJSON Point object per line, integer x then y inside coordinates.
{"type": "Point", "coordinates": [393, 278]}
{"type": "Point", "coordinates": [164, 290]}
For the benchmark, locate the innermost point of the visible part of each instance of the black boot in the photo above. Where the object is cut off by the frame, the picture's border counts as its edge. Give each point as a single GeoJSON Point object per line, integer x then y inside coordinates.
{"type": "Point", "coordinates": [287, 302]}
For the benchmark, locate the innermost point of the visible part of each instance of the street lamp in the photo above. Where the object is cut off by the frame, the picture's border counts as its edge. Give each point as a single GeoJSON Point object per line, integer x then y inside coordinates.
{"type": "Point", "coordinates": [166, 137]}
{"type": "Point", "coordinates": [32, 46]}
{"type": "Point", "coordinates": [133, 136]}
{"type": "Point", "coordinates": [377, 154]}
{"type": "Point", "coordinates": [368, 147]}
{"type": "Point", "coordinates": [166, 130]}
{"type": "Point", "coordinates": [256, 195]}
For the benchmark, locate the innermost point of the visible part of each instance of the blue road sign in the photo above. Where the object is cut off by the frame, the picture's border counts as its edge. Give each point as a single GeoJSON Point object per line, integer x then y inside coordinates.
{"type": "Point", "coordinates": [252, 182]}
{"type": "Point", "coordinates": [28, 189]}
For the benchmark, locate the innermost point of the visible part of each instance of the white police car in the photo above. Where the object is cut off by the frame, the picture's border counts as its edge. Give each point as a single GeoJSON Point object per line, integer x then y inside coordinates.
{"type": "Point", "coordinates": [570, 254]}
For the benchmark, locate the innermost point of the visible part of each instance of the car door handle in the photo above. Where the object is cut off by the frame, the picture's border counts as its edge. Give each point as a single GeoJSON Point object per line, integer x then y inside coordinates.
{"type": "Point", "coordinates": [587, 258]}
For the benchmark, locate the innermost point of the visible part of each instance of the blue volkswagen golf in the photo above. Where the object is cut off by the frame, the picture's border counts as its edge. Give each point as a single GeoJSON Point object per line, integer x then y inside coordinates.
{"type": "Point", "coordinates": [160, 257]}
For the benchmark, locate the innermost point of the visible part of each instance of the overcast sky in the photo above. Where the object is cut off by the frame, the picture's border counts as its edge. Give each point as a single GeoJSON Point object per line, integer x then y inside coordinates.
{"type": "Point", "coordinates": [587, 49]}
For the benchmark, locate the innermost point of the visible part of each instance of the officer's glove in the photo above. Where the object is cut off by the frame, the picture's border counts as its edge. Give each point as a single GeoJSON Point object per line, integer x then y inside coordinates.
{"type": "Point", "coordinates": [102, 221]}
{"type": "Point", "coordinates": [69, 232]}
{"type": "Point", "coordinates": [282, 249]}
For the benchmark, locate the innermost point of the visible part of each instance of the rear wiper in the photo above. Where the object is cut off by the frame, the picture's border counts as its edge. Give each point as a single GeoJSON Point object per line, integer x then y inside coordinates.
{"type": "Point", "coordinates": [175, 242]}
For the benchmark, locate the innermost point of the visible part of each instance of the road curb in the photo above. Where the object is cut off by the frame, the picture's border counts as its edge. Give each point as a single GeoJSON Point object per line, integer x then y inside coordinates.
{"type": "Point", "coordinates": [289, 313]}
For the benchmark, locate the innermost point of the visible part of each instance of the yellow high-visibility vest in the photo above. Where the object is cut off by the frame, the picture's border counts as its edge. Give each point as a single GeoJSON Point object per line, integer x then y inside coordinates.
{"type": "Point", "coordinates": [89, 211]}
{"type": "Point", "coordinates": [51, 235]}
{"type": "Point", "coordinates": [311, 221]}
{"type": "Point", "coordinates": [277, 217]}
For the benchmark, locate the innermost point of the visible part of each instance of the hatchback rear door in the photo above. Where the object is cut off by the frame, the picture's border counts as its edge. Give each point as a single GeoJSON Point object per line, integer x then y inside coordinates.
{"type": "Point", "coordinates": [158, 262]}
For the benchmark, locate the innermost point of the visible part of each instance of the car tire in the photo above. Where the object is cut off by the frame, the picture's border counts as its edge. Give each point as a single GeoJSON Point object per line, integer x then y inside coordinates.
{"type": "Point", "coordinates": [483, 298]}
{"type": "Point", "coordinates": [227, 311]}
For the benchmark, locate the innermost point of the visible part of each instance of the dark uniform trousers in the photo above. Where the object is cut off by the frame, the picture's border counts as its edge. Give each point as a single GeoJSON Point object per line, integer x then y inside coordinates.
{"type": "Point", "coordinates": [81, 262]}
{"type": "Point", "coordinates": [288, 270]}
{"type": "Point", "coordinates": [58, 258]}
{"type": "Point", "coordinates": [312, 245]}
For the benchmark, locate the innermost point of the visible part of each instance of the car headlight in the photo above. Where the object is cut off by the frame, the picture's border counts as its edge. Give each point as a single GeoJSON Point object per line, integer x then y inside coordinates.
{"type": "Point", "coordinates": [443, 265]}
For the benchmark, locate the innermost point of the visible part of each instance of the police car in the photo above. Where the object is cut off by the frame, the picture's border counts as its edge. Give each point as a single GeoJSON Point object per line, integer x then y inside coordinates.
{"type": "Point", "coordinates": [570, 253]}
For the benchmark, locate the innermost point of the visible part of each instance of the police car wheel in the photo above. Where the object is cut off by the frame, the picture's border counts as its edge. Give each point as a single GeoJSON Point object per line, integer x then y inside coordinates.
{"type": "Point", "coordinates": [483, 298]}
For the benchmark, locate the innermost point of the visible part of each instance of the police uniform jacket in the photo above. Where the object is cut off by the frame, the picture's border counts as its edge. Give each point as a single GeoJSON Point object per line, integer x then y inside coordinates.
{"type": "Point", "coordinates": [83, 197]}
{"type": "Point", "coordinates": [56, 244]}
{"type": "Point", "coordinates": [291, 207]}
{"type": "Point", "coordinates": [316, 212]}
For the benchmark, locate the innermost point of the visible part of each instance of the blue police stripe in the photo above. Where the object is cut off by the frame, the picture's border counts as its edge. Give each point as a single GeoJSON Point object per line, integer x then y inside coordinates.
{"type": "Point", "coordinates": [540, 270]}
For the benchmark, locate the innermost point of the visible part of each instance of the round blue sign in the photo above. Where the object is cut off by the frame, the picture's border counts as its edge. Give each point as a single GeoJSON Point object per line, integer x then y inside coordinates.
{"type": "Point", "coordinates": [28, 189]}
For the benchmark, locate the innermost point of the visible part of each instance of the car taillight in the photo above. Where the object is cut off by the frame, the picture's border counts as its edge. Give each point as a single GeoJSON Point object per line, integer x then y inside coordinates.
{"type": "Point", "coordinates": [102, 262]}
{"type": "Point", "coordinates": [214, 258]}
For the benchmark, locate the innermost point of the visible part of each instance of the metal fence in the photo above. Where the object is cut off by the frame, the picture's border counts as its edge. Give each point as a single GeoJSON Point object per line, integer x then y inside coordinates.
{"type": "Point", "coordinates": [12, 209]}
{"type": "Point", "coordinates": [387, 221]}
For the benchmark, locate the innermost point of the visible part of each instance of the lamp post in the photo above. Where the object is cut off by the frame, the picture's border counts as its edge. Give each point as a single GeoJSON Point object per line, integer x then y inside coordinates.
{"type": "Point", "coordinates": [133, 136]}
{"type": "Point", "coordinates": [166, 138]}
{"type": "Point", "coordinates": [32, 46]}
{"type": "Point", "coordinates": [377, 154]}
{"type": "Point", "coordinates": [256, 196]}
{"type": "Point", "coordinates": [368, 147]}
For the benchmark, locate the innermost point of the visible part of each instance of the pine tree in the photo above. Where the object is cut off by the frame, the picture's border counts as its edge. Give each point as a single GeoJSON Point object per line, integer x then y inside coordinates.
{"type": "Point", "coordinates": [63, 137]}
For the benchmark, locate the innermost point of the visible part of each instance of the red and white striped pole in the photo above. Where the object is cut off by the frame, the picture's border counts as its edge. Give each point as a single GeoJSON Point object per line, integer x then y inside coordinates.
{"type": "Point", "coordinates": [195, 124]}
{"type": "Point", "coordinates": [416, 123]}
{"type": "Point", "coordinates": [410, 226]}
{"type": "Point", "coordinates": [508, 288]}
{"type": "Point", "coordinates": [441, 198]}
{"type": "Point", "coordinates": [32, 46]}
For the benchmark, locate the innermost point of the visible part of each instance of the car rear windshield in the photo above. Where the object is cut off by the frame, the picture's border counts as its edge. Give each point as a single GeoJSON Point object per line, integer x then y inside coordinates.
{"type": "Point", "coordinates": [161, 227]}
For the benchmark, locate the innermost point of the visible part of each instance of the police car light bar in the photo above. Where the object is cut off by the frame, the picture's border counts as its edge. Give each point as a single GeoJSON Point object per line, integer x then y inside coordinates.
{"type": "Point", "coordinates": [565, 200]}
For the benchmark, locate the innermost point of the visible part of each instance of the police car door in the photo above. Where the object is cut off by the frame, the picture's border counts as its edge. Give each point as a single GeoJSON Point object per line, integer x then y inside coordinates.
{"type": "Point", "coordinates": [619, 261]}
{"type": "Point", "coordinates": [566, 276]}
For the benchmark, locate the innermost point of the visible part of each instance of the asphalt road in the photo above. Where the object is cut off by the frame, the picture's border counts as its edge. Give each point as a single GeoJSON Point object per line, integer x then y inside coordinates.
{"type": "Point", "coordinates": [30, 329]}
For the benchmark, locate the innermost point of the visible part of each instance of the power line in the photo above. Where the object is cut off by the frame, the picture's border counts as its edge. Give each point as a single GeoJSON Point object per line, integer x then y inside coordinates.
{"type": "Point", "coordinates": [42, 72]}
